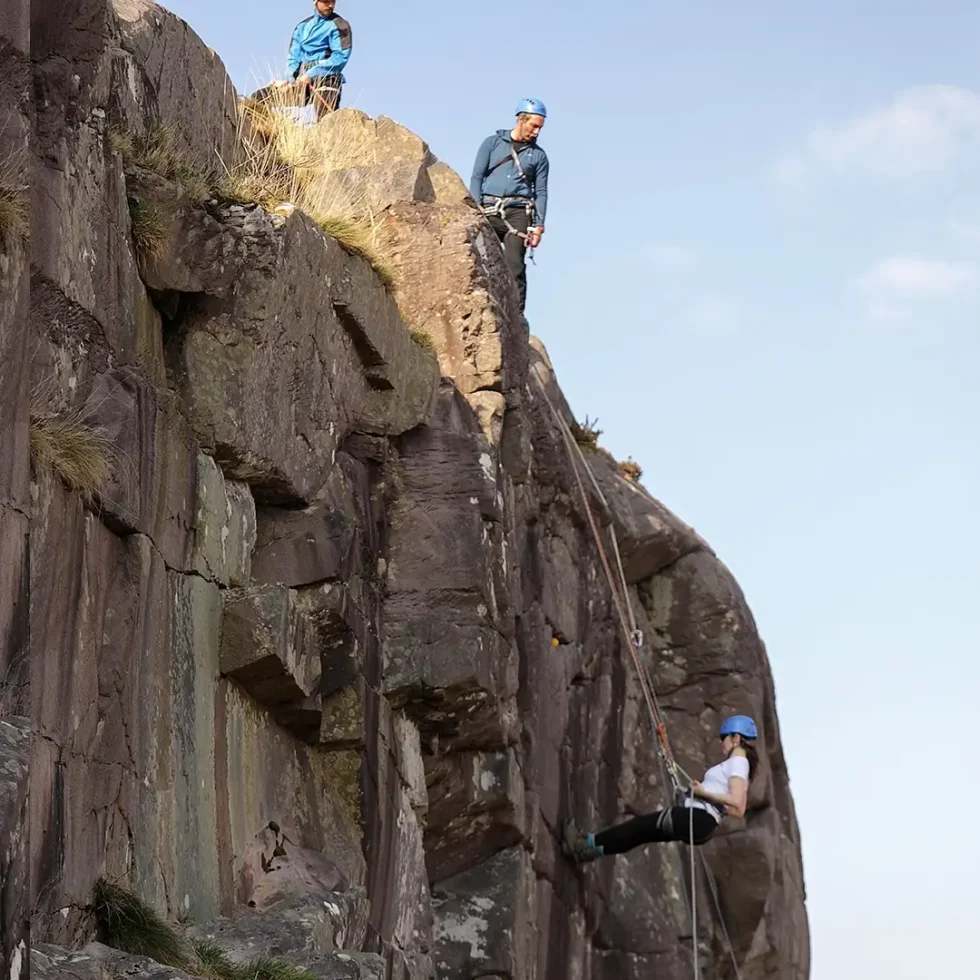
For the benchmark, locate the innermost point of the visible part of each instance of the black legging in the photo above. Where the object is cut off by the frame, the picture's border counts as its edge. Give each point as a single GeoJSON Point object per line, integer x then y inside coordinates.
{"type": "Point", "coordinates": [515, 247]}
{"type": "Point", "coordinates": [674, 823]}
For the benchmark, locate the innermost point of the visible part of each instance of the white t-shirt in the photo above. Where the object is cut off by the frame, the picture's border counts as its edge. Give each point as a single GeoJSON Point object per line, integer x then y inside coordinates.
{"type": "Point", "coordinates": [716, 781]}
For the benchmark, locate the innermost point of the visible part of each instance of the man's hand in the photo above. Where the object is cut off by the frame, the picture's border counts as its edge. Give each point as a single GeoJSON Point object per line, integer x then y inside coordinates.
{"type": "Point", "coordinates": [534, 237]}
{"type": "Point", "coordinates": [696, 788]}
{"type": "Point", "coordinates": [303, 79]}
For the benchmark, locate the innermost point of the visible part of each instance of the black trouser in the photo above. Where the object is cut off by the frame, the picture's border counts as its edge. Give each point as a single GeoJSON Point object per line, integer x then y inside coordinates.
{"type": "Point", "coordinates": [674, 823]}
{"type": "Point", "coordinates": [324, 92]}
{"type": "Point", "coordinates": [514, 246]}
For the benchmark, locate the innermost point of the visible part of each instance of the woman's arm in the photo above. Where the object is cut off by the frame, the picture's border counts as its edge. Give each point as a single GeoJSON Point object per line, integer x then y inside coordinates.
{"type": "Point", "coordinates": [733, 801]}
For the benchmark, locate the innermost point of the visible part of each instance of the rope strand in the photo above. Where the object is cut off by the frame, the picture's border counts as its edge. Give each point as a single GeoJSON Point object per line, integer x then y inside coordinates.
{"type": "Point", "coordinates": [634, 640]}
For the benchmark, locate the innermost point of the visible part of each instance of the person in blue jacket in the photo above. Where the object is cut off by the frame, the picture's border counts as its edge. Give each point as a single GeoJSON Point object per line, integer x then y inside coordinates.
{"type": "Point", "coordinates": [510, 183]}
{"type": "Point", "coordinates": [319, 50]}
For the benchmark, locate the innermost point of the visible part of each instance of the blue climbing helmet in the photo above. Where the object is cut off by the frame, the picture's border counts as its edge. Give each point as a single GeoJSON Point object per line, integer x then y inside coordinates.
{"type": "Point", "coordinates": [533, 107]}
{"type": "Point", "coordinates": [739, 725]}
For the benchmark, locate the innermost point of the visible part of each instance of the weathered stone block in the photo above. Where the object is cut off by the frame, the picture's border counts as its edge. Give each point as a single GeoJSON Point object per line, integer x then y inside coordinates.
{"type": "Point", "coordinates": [456, 286]}
{"type": "Point", "coordinates": [198, 253]}
{"type": "Point", "coordinates": [224, 526]}
{"type": "Point", "coordinates": [484, 920]}
{"type": "Point", "coordinates": [153, 462]}
{"type": "Point", "coordinates": [339, 348]}
{"type": "Point", "coordinates": [181, 78]}
{"type": "Point", "coordinates": [268, 645]}
{"type": "Point", "coordinates": [303, 547]}
{"type": "Point", "coordinates": [477, 808]}
{"type": "Point", "coordinates": [650, 536]}
{"type": "Point", "coordinates": [446, 644]}
{"type": "Point", "coordinates": [447, 185]}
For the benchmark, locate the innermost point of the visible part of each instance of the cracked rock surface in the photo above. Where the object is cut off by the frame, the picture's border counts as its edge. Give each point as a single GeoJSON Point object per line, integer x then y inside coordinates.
{"type": "Point", "coordinates": [322, 666]}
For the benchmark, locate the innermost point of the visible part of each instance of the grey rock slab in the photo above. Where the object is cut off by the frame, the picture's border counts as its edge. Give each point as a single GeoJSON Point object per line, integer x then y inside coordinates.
{"type": "Point", "coordinates": [268, 645]}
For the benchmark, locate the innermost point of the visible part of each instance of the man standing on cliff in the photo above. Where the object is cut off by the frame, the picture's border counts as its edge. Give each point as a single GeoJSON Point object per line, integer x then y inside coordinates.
{"type": "Point", "coordinates": [510, 183]}
{"type": "Point", "coordinates": [319, 49]}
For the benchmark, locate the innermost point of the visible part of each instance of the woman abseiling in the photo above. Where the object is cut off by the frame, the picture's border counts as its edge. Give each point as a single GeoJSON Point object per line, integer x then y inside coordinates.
{"type": "Point", "coordinates": [724, 791]}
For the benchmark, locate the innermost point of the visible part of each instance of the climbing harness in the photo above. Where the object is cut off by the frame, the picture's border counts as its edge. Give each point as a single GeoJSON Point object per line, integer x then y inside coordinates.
{"type": "Point", "coordinates": [670, 768]}
{"type": "Point", "coordinates": [499, 206]}
{"type": "Point", "coordinates": [499, 209]}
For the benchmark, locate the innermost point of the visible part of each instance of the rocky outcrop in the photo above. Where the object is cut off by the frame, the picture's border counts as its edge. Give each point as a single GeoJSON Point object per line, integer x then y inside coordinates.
{"type": "Point", "coordinates": [322, 665]}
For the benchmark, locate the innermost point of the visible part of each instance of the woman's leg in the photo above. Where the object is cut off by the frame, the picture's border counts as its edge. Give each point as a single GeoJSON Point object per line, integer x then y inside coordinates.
{"type": "Point", "coordinates": [674, 823]}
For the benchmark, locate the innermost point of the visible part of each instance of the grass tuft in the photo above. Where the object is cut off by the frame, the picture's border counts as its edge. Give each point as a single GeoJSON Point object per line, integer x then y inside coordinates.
{"type": "Point", "coordinates": [126, 922]}
{"type": "Point", "coordinates": [15, 204]}
{"type": "Point", "coordinates": [424, 339]}
{"type": "Point", "coordinates": [214, 962]}
{"type": "Point", "coordinates": [631, 470]}
{"type": "Point", "coordinates": [268, 969]}
{"type": "Point", "coordinates": [151, 228]}
{"type": "Point", "coordinates": [288, 165]}
{"type": "Point", "coordinates": [75, 452]}
{"type": "Point", "coordinates": [159, 150]}
{"type": "Point", "coordinates": [586, 433]}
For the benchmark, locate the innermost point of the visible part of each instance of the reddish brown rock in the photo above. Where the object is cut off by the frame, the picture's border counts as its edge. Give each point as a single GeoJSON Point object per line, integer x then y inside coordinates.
{"type": "Point", "coordinates": [406, 657]}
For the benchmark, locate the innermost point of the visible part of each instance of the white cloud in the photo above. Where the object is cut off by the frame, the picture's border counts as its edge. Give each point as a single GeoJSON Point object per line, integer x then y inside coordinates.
{"type": "Point", "coordinates": [910, 276]}
{"type": "Point", "coordinates": [902, 288]}
{"type": "Point", "coordinates": [926, 129]}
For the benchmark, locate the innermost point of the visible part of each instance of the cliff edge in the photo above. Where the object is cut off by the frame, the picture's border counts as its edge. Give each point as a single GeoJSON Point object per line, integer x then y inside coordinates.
{"type": "Point", "coordinates": [322, 650]}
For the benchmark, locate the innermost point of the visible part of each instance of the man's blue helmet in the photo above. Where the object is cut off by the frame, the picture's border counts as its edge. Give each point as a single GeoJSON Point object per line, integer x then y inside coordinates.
{"type": "Point", "coordinates": [739, 725]}
{"type": "Point", "coordinates": [533, 107]}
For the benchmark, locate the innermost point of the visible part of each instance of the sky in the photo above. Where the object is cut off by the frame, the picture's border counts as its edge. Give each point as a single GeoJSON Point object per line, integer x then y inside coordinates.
{"type": "Point", "coordinates": [761, 273]}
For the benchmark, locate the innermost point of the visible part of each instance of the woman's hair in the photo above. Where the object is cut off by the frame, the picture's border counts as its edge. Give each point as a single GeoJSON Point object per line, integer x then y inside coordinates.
{"type": "Point", "coordinates": [751, 753]}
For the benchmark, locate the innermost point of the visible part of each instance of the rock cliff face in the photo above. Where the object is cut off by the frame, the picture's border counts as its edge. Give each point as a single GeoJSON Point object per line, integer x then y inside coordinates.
{"type": "Point", "coordinates": [321, 665]}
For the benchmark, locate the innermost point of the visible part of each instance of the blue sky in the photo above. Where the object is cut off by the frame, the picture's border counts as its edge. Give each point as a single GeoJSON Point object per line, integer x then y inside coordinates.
{"type": "Point", "coordinates": [761, 272]}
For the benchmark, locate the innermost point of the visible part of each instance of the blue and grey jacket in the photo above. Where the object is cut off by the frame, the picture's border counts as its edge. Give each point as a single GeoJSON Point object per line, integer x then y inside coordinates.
{"type": "Point", "coordinates": [320, 46]}
{"type": "Point", "coordinates": [505, 180]}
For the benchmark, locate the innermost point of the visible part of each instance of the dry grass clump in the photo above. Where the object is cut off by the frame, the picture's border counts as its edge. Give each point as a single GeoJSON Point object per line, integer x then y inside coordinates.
{"type": "Point", "coordinates": [423, 339]}
{"type": "Point", "coordinates": [151, 228]}
{"type": "Point", "coordinates": [631, 470]}
{"type": "Point", "coordinates": [159, 150]}
{"type": "Point", "coordinates": [70, 449]}
{"type": "Point", "coordinates": [286, 163]}
{"type": "Point", "coordinates": [15, 204]}
{"type": "Point", "coordinates": [586, 433]}
{"type": "Point", "coordinates": [126, 922]}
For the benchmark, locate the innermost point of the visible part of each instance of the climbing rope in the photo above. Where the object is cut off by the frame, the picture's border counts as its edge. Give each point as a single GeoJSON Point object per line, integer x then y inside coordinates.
{"type": "Point", "coordinates": [695, 952]}
{"type": "Point", "coordinates": [634, 640]}
{"type": "Point", "coordinates": [713, 889]}
{"type": "Point", "coordinates": [626, 620]}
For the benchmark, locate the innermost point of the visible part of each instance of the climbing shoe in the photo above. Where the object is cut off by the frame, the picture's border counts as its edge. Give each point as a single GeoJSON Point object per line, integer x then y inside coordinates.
{"type": "Point", "coordinates": [578, 846]}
